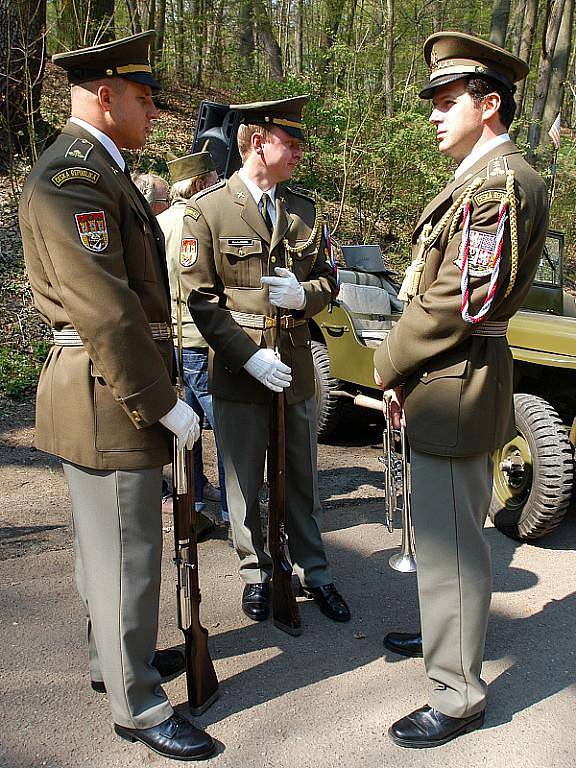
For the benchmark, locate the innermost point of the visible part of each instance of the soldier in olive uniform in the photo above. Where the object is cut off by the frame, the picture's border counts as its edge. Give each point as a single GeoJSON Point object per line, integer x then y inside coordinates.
{"type": "Point", "coordinates": [476, 246]}
{"type": "Point", "coordinates": [106, 403]}
{"type": "Point", "coordinates": [249, 245]}
{"type": "Point", "coordinates": [191, 174]}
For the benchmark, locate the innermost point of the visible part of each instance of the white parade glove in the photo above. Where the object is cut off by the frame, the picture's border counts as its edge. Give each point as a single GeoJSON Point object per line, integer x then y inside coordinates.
{"type": "Point", "coordinates": [269, 370]}
{"type": "Point", "coordinates": [183, 421]}
{"type": "Point", "coordinates": [285, 290]}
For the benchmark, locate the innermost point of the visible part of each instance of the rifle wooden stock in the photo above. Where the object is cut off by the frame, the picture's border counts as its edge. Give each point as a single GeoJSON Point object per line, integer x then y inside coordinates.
{"type": "Point", "coordinates": [285, 613]}
{"type": "Point", "coordinates": [201, 680]}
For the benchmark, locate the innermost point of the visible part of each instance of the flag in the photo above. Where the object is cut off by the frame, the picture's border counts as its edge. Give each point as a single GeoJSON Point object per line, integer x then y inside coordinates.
{"type": "Point", "coordinates": [554, 132]}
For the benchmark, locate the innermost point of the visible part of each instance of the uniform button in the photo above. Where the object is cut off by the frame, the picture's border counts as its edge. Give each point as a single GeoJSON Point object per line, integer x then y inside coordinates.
{"type": "Point", "coordinates": [425, 374]}
{"type": "Point", "coordinates": [136, 416]}
{"type": "Point", "coordinates": [273, 259]}
{"type": "Point", "coordinates": [240, 252]}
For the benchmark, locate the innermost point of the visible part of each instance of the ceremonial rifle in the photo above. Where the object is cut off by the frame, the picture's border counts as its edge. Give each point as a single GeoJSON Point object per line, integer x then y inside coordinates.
{"type": "Point", "coordinates": [285, 611]}
{"type": "Point", "coordinates": [201, 680]}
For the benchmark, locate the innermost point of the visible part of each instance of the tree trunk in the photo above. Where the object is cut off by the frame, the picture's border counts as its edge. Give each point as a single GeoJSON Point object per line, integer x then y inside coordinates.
{"type": "Point", "coordinates": [246, 48]}
{"type": "Point", "coordinates": [271, 47]}
{"type": "Point", "coordinates": [180, 37]}
{"type": "Point", "coordinates": [559, 66]}
{"type": "Point", "coordinates": [550, 35]}
{"type": "Point", "coordinates": [22, 63]}
{"type": "Point", "coordinates": [100, 24]}
{"type": "Point", "coordinates": [499, 22]}
{"type": "Point", "coordinates": [333, 17]}
{"type": "Point", "coordinates": [134, 14]}
{"type": "Point", "coordinates": [299, 43]}
{"type": "Point", "coordinates": [160, 26]}
{"type": "Point", "coordinates": [528, 29]}
{"type": "Point", "coordinates": [389, 61]}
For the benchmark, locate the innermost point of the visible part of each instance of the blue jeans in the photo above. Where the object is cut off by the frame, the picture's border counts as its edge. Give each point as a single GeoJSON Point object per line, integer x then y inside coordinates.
{"type": "Point", "coordinates": [195, 361]}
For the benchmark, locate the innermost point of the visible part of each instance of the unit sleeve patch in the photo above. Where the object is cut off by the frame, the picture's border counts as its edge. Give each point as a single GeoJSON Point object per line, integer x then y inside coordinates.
{"type": "Point", "coordinates": [75, 174]}
{"type": "Point", "coordinates": [93, 230]}
{"type": "Point", "coordinates": [194, 213]}
{"type": "Point", "coordinates": [489, 196]}
{"type": "Point", "coordinates": [481, 253]}
{"type": "Point", "coordinates": [188, 251]}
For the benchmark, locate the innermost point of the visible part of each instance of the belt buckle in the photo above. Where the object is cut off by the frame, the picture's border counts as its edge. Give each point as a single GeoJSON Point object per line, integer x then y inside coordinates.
{"type": "Point", "coordinates": [269, 322]}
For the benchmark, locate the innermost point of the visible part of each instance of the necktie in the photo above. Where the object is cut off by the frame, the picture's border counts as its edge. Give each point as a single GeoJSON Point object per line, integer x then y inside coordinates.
{"type": "Point", "coordinates": [265, 212]}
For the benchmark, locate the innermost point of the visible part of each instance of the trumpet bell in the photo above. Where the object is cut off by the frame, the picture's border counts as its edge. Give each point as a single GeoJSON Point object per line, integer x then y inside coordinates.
{"type": "Point", "coordinates": [405, 562]}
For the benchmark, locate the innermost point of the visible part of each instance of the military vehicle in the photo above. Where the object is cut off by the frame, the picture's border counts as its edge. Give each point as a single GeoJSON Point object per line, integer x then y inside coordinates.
{"type": "Point", "coordinates": [534, 473]}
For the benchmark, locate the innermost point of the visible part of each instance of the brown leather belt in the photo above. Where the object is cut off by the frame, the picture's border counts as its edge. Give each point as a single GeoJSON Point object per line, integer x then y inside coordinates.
{"type": "Point", "coordinates": [263, 322]}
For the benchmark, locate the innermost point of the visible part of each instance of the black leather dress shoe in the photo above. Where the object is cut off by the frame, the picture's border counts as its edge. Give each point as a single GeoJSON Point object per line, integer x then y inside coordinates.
{"type": "Point", "coordinates": [175, 738]}
{"type": "Point", "coordinates": [426, 727]}
{"type": "Point", "coordinates": [256, 601]}
{"type": "Point", "coordinates": [330, 601]}
{"type": "Point", "coordinates": [404, 643]}
{"type": "Point", "coordinates": [168, 662]}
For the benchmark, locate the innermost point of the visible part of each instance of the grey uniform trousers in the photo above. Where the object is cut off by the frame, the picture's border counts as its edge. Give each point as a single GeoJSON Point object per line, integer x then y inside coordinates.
{"type": "Point", "coordinates": [450, 500]}
{"type": "Point", "coordinates": [242, 432]}
{"type": "Point", "coordinates": [118, 542]}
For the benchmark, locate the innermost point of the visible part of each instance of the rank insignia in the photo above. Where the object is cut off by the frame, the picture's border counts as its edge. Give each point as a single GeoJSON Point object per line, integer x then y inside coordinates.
{"type": "Point", "coordinates": [79, 148]}
{"type": "Point", "coordinates": [93, 230]}
{"type": "Point", "coordinates": [481, 253]}
{"type": "Point", "coordinates": [188, 251]}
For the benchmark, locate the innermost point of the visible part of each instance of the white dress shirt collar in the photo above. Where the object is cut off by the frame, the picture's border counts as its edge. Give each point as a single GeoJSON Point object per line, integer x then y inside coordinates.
{"type": "Point", "coordinates": [255, 190]}
{"type": "Point", "coordinates": [105, 140]}
{"type": "Point", "coordinates": [476, 154]}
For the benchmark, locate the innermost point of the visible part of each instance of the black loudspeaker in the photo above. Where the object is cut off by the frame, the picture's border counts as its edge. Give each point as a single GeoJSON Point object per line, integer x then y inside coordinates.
{"type": "Point", "coordinates": [216, 129]}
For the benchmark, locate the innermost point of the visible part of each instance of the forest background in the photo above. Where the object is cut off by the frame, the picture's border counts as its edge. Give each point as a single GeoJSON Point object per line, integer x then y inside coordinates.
{"type": "Point", "coordinates": [371, 154]}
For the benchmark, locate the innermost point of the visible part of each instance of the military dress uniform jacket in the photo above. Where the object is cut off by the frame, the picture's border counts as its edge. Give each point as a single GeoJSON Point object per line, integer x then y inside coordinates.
{"type": "Point", "coordinates": [226, 250]}
{"type": "Point", "coordinates": [458, 386]}
{"type": "Point", "coordinates": [95, 261]}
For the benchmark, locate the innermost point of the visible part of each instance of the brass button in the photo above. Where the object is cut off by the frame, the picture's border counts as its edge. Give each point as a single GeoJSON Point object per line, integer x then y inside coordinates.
{"type": "Point", "coordinates": [273, 259]}
{"type": "Point", "coordinates": [240, 252]}
{"type": "Point", "coordinates": [425, 374]}
{"type": "Point", "coordinates": [136, 416]}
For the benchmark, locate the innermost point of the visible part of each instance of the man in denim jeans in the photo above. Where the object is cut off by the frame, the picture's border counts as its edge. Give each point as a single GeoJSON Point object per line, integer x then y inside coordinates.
{"type": "Point", "coordinates": [189, 175]}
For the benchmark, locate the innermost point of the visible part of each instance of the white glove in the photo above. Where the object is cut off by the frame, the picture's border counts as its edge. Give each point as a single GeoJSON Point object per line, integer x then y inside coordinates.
{"type": "Point", "coordinates": [183, 421]}
{"type": "Point", "coordinates": [285, 290]}
{"type": "Point", "coordinates": [269, 370]}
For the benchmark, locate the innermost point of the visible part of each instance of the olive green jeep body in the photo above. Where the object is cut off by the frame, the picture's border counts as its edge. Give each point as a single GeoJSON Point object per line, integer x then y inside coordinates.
{"type": "Point", "coordinates": [534, 473]}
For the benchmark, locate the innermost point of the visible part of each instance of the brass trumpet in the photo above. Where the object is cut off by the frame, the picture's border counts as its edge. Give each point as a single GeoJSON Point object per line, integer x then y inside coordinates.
{"type": "Point", "coordinates": [396, 479]}
{"type": "Point", "coordinates": [397, 473]}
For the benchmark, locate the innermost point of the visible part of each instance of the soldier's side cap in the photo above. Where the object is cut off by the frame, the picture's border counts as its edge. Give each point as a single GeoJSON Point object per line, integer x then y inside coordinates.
{"type": "Point", "coordinates": [128, 58]}
{"type": "Point", "coordinates": [285, 113]}
{"type": "Point", "coordinates": [453, 55]}
{"type": "Point", "coordinates": [189, 166]}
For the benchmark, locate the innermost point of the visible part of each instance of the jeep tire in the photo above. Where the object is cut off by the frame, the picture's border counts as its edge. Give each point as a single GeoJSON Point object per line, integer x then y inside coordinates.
{"type": "Point", "coordinates": [533, 473]}
{"type": "Point", "coordinates": [329, 408]}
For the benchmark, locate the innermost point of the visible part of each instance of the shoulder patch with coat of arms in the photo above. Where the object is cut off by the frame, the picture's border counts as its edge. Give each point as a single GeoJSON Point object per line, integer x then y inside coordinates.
{"type": "Point", "coordinates": [93, 230]}
{"type": "Point", "coordinates": [481, 253]}
{"type": "Point", "coordinates": [188, 251]}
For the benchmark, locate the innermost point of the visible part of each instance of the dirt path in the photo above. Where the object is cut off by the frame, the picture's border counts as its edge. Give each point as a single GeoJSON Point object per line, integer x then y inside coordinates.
{"type": "Point", "coordinates": [323, 700]}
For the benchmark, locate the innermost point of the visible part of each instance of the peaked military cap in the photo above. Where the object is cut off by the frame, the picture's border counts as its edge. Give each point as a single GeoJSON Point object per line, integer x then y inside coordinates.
{"type": "Point", "coordinates": [128, 58]}
{"type": "Point", "coordinates": [452, 55]}
{"type": "Point", "coordinates": [189, 166]}
{"type": "Point", "coordinates": [285, 113]}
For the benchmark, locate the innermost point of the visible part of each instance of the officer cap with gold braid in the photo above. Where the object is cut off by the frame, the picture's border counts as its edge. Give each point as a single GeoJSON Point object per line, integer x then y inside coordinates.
{"type": "Point", "coordinates": [286, 114]}
{"type": "Point", "coordinates": [453, 55]}
{"type": "Point", "coordinates": [189, 166]}
{"type": "Point", "coordinates": [128, 58]}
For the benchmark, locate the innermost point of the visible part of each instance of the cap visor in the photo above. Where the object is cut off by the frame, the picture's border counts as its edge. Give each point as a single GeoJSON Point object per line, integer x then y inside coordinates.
{"type": "Point", "coordinates": [428, 92]}
{"type": "Point", "coordinates": [144, 78]}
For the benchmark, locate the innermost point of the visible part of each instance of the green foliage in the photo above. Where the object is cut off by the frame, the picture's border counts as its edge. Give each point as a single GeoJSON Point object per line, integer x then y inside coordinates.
{"type": "Point", "coordinates": [19, 370]}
